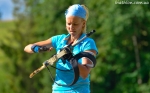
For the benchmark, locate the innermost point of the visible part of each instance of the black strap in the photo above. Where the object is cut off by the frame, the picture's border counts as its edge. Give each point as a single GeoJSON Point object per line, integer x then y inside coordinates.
{"type": "Point", "coordinates": [87, 55]}
{"type": "Point", "coordinates": [74, 63]}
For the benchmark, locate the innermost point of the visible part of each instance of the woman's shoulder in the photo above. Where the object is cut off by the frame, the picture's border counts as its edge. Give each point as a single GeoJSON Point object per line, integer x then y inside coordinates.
{"type": "Point", "coordinates": [59, 37]}
{"type": "Point", "coordinates": [89, 40]}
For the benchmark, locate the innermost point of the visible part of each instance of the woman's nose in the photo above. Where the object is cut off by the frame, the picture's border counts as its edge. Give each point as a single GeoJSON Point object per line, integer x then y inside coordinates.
{"type": "Point", "coordinates": [71, 26]}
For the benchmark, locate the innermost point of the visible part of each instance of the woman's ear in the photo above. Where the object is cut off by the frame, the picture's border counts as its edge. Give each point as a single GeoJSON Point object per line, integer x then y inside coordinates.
{"type": "Point", "coordinates": [84, 23]}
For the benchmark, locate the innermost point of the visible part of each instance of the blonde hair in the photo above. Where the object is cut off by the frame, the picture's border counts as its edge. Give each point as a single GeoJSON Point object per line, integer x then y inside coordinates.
{"type": "Point", "coordinates": [86, 18]}
{"type": "Point", "coordinates": [86, 15]}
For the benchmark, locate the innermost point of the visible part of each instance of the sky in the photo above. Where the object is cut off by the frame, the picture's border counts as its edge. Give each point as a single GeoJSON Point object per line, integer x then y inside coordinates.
{"type": "Point", "coordinates": [6, 9]}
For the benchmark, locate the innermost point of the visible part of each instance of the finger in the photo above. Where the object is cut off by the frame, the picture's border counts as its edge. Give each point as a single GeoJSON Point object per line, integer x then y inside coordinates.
{"type": "Point", "coordinates": [50, 48]}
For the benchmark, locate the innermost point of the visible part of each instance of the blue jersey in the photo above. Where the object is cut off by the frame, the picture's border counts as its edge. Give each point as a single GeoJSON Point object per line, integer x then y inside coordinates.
{"type": "Point", "coordinates": [66, 77]}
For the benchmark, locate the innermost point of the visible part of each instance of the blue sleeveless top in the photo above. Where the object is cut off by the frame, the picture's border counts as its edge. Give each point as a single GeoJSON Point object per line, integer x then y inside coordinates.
{"type": "Point", "coordinates": [66, 77]}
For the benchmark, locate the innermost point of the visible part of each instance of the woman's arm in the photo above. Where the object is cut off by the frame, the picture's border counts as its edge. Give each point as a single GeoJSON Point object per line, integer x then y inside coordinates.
{"type": "Point", "coordinates": [84, 68]}
{"type": "Point", "coordinates": [41, 43]}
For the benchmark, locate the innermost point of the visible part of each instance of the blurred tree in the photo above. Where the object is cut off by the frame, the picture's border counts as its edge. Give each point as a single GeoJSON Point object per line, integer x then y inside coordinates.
{"type": "Point", "coordinates": [34, 21]}
{"type": "Point", "coordinates": [123, 45]}
{"type": "Point", "coordinates": [122, 36]}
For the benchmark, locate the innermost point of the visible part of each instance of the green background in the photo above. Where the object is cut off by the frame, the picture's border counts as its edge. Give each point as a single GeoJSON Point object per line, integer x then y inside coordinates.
{"type": "Point", "coordinates": [122, 37]}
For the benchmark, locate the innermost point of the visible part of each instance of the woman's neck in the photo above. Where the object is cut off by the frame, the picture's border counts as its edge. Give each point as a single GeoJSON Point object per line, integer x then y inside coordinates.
{"type": "Point", "coordinates": [73, 39]}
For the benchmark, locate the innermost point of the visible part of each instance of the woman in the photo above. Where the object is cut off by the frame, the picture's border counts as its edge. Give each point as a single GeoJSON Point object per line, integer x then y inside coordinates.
{"type": "Point", "coordinates": [76, 18]}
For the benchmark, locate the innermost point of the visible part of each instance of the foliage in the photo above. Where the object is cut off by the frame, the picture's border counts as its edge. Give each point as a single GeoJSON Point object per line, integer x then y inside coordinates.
{"type": "Point", "coordinates": [123, 47]}
{"type": "Point", "coordinates": [122, 37]}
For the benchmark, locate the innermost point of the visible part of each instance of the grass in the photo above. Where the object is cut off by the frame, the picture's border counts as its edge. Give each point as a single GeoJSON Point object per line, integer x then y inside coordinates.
{"type": "Point", "coordinates": [6, 25]}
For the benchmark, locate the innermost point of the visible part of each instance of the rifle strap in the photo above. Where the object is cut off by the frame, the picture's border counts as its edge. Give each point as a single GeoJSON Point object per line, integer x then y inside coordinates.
{"type": "Point", "coordinates": [74, 63]}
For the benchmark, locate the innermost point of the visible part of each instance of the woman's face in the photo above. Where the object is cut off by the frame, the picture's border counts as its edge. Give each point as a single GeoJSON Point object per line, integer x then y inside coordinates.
{"type": "Point", "coordinates": [74, 25]}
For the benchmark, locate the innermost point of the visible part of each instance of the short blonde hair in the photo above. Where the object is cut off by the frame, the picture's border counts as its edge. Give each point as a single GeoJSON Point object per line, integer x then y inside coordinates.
{"type": "Point", "coordinates": [86, 18]}
{"type": "Point", "coordinates": [83, 13]}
